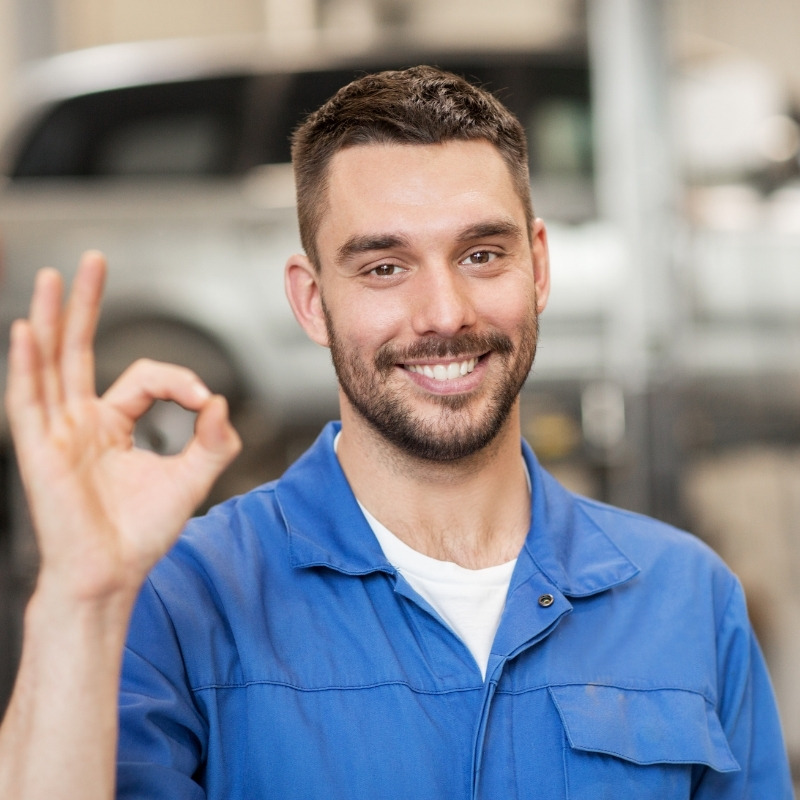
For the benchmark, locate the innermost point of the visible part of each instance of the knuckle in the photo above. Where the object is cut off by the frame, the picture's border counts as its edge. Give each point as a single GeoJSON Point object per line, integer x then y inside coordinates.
{"type": "Point", "coordinates": [153, 367]}
{"type": "Point", "coordinates": [143, 363]}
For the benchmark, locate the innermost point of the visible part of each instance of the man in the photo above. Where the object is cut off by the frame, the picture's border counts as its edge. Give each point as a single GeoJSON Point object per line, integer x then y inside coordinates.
{"type": "Point", "coordinates": [416, 609]}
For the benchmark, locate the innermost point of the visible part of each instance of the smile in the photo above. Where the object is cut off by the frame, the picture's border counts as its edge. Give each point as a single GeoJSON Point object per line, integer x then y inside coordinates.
{"type": "Point", "coordinates": [444, 372]}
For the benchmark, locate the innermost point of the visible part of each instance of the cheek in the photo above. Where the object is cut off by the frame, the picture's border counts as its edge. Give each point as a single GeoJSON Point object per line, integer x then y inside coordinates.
{"type": "Point", "coordinates": [513, 312]}
{"type": "Point", "coordinates": [375, 317]}
{"type": "Point", "coordinates": [365, 327]}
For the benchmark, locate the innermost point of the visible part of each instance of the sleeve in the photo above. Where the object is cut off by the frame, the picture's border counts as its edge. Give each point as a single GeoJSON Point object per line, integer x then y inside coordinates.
{"type": "Point", "coordinates": [162, 732]}
{"type": "Point", "coordinates": [749, 715]}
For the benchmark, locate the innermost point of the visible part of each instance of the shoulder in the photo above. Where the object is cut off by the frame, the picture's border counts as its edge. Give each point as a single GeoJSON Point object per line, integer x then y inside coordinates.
{"type": "Point", "coordinates": [229, 543]}
{"type": "Point", "coordinates": [197, 605]}
{"type": "Point", "coordinates": [579, 531]}
{"type": "Point", "coordinates": [670, 556]}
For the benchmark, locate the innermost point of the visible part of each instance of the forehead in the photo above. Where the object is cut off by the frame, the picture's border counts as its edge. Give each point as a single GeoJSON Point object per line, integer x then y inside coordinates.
{"type": "Point", "coordinates": [420, 187]}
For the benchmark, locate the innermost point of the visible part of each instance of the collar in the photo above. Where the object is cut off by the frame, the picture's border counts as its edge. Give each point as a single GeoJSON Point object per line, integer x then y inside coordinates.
{"type": "Point", "coordinates": [325, 524]}
{"type": "Point", "coordinates": [566, 543]}
{"type": "Point", "coordinates": [327, 528]}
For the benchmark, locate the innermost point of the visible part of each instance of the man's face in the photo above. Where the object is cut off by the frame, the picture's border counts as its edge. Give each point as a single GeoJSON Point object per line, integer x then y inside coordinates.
{"type": "Point", "coordinates": [430, 287]}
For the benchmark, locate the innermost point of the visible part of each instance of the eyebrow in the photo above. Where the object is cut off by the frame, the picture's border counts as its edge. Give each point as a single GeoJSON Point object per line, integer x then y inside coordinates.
{"type": "Point", "coordinates": [368, 243]}
{"type": "Point", "coordinates": [490, 229]}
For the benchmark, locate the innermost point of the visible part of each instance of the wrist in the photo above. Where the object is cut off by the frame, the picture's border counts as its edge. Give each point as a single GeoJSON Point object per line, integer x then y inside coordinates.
{"type": "Point", "coordinates": [63, 616]}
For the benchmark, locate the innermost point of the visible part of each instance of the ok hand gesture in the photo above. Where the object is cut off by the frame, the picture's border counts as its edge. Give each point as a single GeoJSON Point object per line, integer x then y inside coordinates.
{"type": "Point", "coordinates": [104, 512]}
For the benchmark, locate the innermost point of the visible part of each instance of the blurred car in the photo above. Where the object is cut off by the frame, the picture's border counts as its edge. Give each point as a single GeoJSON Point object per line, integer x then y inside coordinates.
{"type": "Point", "coordinates": [173, 159]}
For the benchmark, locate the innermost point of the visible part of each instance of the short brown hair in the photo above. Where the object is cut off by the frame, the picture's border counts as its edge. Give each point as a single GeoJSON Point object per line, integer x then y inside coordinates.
{"type": "Point", "coordinates": [420, 105]}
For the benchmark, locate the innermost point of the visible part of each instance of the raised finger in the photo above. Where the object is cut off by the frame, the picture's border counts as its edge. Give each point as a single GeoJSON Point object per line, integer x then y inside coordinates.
{"type": "Point", "coordinates": [23, 392]}
{"type": "Point", "coordinates": [80, 323]}
{"type": "Point", "coordinates": [45, 322]}
{"type": "Point", "coordinates": [146, 381]}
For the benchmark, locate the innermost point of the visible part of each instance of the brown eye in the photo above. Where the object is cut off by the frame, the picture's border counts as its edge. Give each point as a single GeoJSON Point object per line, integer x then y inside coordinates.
{"type": "Point", "coordinates": [385, 270]}
{"type": "Point", "coordinates": [480, 257]}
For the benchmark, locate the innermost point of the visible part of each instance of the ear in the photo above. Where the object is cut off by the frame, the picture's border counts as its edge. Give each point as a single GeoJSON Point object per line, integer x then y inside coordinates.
{"type": "Point", "coordinates": [302, 288]}
{"type": "Point", "coordinates": [540, 255]}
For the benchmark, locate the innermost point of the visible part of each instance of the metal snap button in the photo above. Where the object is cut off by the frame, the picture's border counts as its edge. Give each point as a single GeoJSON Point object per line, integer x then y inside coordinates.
{"type": "Point", "coordinates": [546, 600]}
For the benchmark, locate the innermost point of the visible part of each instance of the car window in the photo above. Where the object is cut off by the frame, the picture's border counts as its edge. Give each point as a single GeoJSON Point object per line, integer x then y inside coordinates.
{"type": "Point", "coordinates": [181, 128]}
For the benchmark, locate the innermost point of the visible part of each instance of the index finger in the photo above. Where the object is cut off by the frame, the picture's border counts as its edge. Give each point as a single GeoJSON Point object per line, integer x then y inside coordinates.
{"type": "Point", "coordinates": [80, 324]}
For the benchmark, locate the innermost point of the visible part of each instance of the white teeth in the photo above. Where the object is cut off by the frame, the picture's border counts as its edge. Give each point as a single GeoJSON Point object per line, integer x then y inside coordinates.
{"type": "Point", "coordinates": [445, 372]}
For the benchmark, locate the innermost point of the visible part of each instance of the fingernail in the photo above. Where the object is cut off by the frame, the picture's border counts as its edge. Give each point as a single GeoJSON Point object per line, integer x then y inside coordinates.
{"type": "Point", "coordinates": [201, 391]}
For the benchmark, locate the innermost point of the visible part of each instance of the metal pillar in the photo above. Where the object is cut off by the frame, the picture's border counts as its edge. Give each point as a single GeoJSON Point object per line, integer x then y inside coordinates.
{"type": "Point", "coordinates": [636, 193]}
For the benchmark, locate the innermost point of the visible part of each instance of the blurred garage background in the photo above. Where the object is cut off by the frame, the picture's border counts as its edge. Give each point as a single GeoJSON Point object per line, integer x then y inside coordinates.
{"type": "Point", "coordinates": [665, 157]}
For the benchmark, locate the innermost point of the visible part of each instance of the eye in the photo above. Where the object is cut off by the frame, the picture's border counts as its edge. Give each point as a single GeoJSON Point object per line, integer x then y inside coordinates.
{"type": "Point", "coordinates": [480, 257]}
{"type": "Point", "coordinates": [386, 270]}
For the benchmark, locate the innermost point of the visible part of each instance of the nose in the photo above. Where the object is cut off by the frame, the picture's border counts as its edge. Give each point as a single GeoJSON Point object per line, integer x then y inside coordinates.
{"type": "Point", "coordinates": [443, 303]}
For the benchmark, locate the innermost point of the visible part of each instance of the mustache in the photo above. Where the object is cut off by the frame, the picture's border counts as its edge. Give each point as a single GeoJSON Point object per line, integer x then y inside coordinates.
{"type": "Point", "coordinates": [468, 344]}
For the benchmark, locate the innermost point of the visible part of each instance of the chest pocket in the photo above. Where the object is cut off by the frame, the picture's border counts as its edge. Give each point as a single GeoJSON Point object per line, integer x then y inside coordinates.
{"type": "Point", "coordinates": [640, 743]}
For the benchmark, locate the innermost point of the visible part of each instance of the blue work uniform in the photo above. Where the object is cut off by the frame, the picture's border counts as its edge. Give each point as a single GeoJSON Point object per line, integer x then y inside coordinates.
{"type": "Point", "coordinates": [275, 653]}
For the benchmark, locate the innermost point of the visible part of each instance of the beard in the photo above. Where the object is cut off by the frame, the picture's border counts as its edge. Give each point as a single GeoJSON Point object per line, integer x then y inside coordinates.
{"type": "Point", "coordinates": [457, 430]}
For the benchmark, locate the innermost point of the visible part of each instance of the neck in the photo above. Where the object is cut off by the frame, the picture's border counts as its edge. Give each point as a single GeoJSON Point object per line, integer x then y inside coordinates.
{"type": "Point", "coordinates": [473, 511]}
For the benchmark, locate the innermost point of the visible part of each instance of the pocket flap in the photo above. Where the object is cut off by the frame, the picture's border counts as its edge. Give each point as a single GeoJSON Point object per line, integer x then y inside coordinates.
{"type": "Point", "coordinates": [660, 726]}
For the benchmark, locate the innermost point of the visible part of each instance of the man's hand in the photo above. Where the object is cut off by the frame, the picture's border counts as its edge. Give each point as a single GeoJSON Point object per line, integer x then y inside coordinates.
{"type": "Point", "coordinates": [104, 512]}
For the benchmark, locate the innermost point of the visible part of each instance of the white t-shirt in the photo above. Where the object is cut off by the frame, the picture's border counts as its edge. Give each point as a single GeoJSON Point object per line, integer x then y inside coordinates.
{"type": "Point", "coordinates": [470, 601]}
